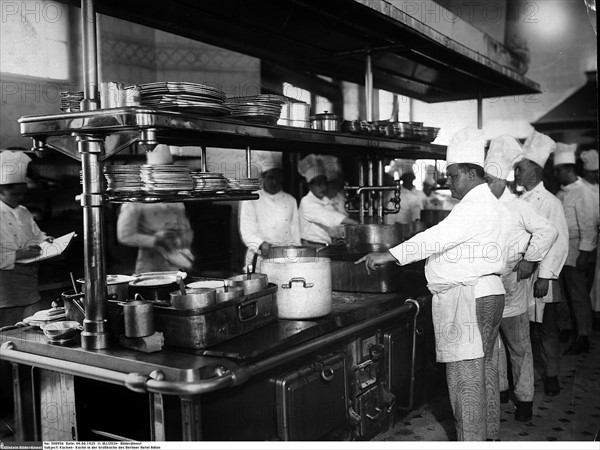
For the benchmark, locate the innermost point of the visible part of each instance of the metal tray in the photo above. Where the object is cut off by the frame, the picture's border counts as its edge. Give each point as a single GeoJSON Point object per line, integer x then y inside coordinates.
{"type": "Point", "coordinates": [204, 327]}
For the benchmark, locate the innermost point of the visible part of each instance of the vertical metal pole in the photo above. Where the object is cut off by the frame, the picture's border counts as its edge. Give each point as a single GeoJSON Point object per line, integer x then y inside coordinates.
{"type": "Point", "coordinates": [370, 197]}
{"type": "Point", "coordinates": [90, 100]}
{"type": "Point", "coordinates": [369, 85]}
{"type": "Point", "coordinates": [95, 333]}
{"type": "Point", "coordinates": [361, 197]}
{"type": "Point", "coordinates": [248, 163]}
{"type": "Point", "coordinates": [203, 156]}
{"type": "Point", "coordinates": [479, 111]}
{"type": "Point", "coordinates": [380, 204]}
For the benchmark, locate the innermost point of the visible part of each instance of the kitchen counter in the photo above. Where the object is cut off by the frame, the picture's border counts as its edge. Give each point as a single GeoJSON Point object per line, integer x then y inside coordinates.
{"type": "Point", "coordinates": [177, 365]}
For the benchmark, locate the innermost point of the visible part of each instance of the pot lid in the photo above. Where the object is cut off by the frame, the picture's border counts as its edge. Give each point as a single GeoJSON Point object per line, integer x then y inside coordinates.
{"type": "Point", "coordinates": [113, 279]}
{"type": "Point", "coordinates": [156, 278]}
{"type": "Point", "coordinates": [325, 115]}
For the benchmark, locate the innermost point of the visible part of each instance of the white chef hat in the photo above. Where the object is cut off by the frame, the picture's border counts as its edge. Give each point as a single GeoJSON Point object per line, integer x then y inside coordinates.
{"type": "Point", "coordinates": [564, 154]}
{"type": "Point", "coordinates": [537, 148]}
{"type": "Point", "coordinates": [333, 168]}
{"type": "Point", "coordinates": [590, 159]}
{"type": "Point", "coordinates": [266, 160]}
{"type": "Point", "coordinates": [429, 175]}
{"type": "Point", "coordinates": [502, 155]}
{"type": "Point", "coordinates": [467, 147]}
{"type": "Point", "coordinates": [160, 155]}
{"type": "Point", "coordinates": [311, 167]}
{"type": "Point", "coordinates": [13, 167]}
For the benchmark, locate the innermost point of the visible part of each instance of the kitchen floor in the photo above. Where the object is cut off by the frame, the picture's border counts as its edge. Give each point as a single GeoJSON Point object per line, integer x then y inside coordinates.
{"type": "Point", "coordinates": [573, 415]}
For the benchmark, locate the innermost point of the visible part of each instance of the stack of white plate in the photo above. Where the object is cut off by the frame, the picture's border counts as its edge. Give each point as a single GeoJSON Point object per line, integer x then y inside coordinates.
{"type": "Point", "coordinates": [244, 184]}
{"type": "Point", "coordinates": [166, 179]}
{"type": "Point", "coordinates": [209, 182]}
{"type": "Point", "coordinates": [123, 179]}
{"type": "Point", "coordinates": [262, 108]}
{"type": "Point", "coordinates": [183, 96]}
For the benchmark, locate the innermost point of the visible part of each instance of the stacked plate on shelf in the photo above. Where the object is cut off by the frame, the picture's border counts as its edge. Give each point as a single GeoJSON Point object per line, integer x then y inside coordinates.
{"type": "Point", "coordinates": [123, 179]}
{"type": "Point", "coordinates": [70, 101]}
{"type": "Point", "coordinates": [183, 96]}
{"type": "Point", "coordinates": [166, 179]}
{"type": "Point", "coordinates": [209, 182]}
{"type": "Point", "coordinates": [244, 184]}
{"type": "Point", "coordinates": [262, 108]}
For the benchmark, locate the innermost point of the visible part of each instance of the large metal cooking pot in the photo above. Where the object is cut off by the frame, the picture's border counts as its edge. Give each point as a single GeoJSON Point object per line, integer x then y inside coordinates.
{"type": "Point", "coordinates": [154, 285]}
{"type": "Point", "coordinates": [433, 216]}
{"type": "Point", "coordinates": [116, 286]}
{"type": "Point", "coordinates": [291, 252]}
{"type": "Point", "coordinates": [303, 287]}
{"type": "Point", "coordinates": [373, 234]}
{"type": "Point", "coordinates": [251, 282]}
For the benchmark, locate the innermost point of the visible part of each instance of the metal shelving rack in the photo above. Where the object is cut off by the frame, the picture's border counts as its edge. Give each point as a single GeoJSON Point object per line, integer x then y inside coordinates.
{"type": "Point", "coordinates": [82, 135]}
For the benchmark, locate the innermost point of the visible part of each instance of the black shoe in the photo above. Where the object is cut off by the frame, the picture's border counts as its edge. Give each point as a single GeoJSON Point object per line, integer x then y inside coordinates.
{"type": "Point", "coordinates": [524, 411]}
{"type": "Point", "coordinates": [504, 396]}
{"type": "Point", "coordinates": [551, 386]}
{"type": "Point", "coordinates": [581, 345]}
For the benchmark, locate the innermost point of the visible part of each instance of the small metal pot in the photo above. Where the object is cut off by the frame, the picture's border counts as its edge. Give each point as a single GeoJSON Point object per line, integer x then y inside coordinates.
{"type": "Point", "coordinates": [226, 293]}
{"type": "Point", "coordinates": [253, 282]}
{"type": "Point", "coordinates": [325, 121]}
{"type": "Point", "coordinates": [138, 316]}
{"type": "Point", "coordinates": [193, 298]}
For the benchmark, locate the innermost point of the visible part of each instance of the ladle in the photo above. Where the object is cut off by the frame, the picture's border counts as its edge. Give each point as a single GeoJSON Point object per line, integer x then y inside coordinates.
{"type": "Point", "coordinates": [181, 284]}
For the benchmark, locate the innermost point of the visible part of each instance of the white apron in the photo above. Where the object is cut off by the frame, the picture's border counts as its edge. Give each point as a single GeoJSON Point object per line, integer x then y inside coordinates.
{"type": "Point", "coordinates": [453, 309]}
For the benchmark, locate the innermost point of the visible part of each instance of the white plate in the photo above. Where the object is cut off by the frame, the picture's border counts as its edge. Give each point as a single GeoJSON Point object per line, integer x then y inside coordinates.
{"type": "Point", "coordinates": [211, 284]}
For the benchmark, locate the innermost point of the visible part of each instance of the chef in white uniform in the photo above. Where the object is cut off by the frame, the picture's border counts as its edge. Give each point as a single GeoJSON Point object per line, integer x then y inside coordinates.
{"type": "Point", "coordinates": [272, 219]}
{"type": "Point", "coordinates": [319, 219]}
{"type": "Point", "coordinates": [465, 258]}
{"type": "Point", "coordinates": [411, 199]}
{"type": "Point", "coordinates": [161, 231]}
{"type": "Point", "coordinates": [544, 292]}
{"type": "Point", "coordinates": [530, 238]}
{"type": "Point", "coordinates": [582, 221]}
{"type": "Point", "coordinates": [590, 179]}
{"type": "Point", "coordinates": [19, 239]}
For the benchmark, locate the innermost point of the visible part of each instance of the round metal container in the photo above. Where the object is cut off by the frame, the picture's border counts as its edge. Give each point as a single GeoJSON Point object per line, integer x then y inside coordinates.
{"type": "Point", "coordinates": [325, 121]}
{"type": "Point", "coordinates": [138, 316]}
{"type": "Point", "coordinates": [193, 298]}
{"type": "Point", "coordinates": [303, 287]}
{"type": "Point", "coordinates": [373, 234]}
{"type": "Point", "coordinates": [251, 283]}
{"type": "Point", "coordinates": [226, 293]}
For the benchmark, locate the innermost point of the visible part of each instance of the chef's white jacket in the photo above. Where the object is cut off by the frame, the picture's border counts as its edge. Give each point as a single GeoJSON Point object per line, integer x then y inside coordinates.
{"type": "Point", "coordinates": [582, 223]}
{"type": "Point", "coordinates": [549, 207]}
{"type": "Point", "coordinates": [18, 282]}
{"type": "Point", "coordinates": [138, 225]}
{"type": "Point", "coordinates": [530, 238]}
{"type": "Point", "coordinates": [465, 257]}
{"type": "Point", "coordinates": [17, 230]}
{"type": "Point", "coordinates": [272, 218]}
{"type": "Point", "coordinates": [317, 218]}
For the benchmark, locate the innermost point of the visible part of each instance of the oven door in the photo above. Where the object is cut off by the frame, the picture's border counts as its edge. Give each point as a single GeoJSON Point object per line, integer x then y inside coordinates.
{"type": "Point", "coordinates": [311, 400]}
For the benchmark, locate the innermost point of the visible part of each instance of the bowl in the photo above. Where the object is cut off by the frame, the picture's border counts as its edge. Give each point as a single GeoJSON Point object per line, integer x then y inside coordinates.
{"type": "Point", "coordinates": [62, 330]}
